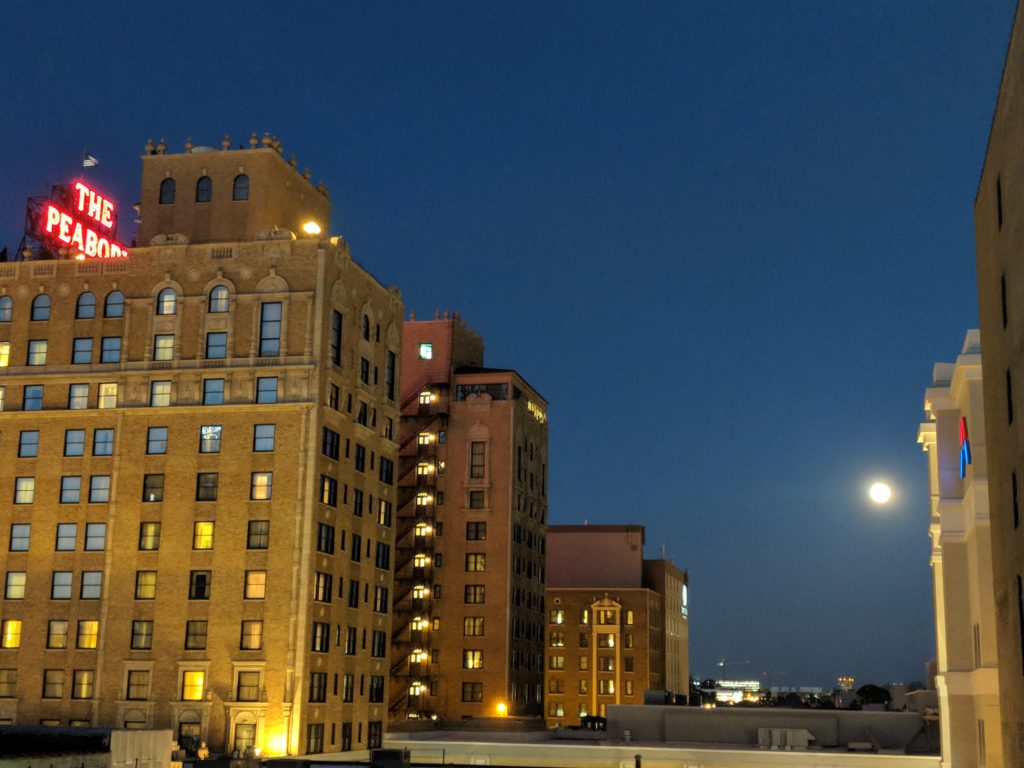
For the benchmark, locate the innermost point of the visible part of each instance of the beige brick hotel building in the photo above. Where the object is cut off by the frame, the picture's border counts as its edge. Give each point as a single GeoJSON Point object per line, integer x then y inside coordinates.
{"type": "Point", "coordinates": [469, 572]}
{"type": "Point", "coordinates": [199, 462]}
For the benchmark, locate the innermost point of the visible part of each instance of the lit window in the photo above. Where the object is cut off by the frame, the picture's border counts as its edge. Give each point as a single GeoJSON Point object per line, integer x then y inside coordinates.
{"type": "Point", "coordinates": [5, 353]}
{"type": "Point", "coordinates": [474, 594]}
{"type": "Point", "coordinates": [81, 351]}
{"type": "Point", "coordinates": [426, 351]}
{"type": "Point", "coordinates": [475, 561]}
{"type": "Point", "coordinates": [192, 684]}
{"type": "Point", "coordinates": [261, 486]}
{"type": "Point", "coordinates": [160, 393]}
{"type": "Point", "coordinates": [88, 632]}
{"type": "Point", "coordinates": [57, 634]}
{"type": "Point", "coordinates": [606, 687]}
{"type": "Point", "coordinates": [113, 305]}
{"type": "Point", "coordinates": [209, 438]}
{"type": "Point", "coordinates": [36, 352]}
{"type": "Point", "coordinates": [216, 345]}
{"type": "Point", "coordinates": [422, 499]}
{"type": "Point", "coordinates": [78, 397]}
{"type": "Point", "coordinates": [255, 585]}
{"type": "Point", "coordinates": [240, 187]}
{"type": "Point", "coordinates": [41, 307]}
{"type": "Point", "coordinates": [53, 683]}
{"type": "Point", "coordinates": [248, 686]}
{"type": "Point", "coordinates": [425, 397]}
{"type": "Point", "coordinates": [425, 438]}
{"type": "Point", "coordinates": [473, 626]}
{"type": "Point", "coordinates": [213, 391]}
{"type": "Point", "coordinates": [204, 189]}
{"type": "Point", "coordinates": [20, 533]}
{"type": "Point", "coordinates": [145, 585]}
{"type": "Point", "coordinates": [167, 192]}
{"type": "Point", "coordinates": [10, 635]}
{"type": "Point", "coordinates": [202, 535]}
{"type": "Point", "coordinates": [167, 302]}
{"type": "Point", "coordinates": [149, 536]}
{"type": "Point", "coordinates": [163, 346]}
{"type": "Point", "coordinates": [107, 396]}
{"type": "Point", "coordinates": [420, 592]}
{"type": "Point", "coordinates": [219, 299]}
{"type": "Point", "coordinates": [24, 490]}
{"type": "Point", "coordinates": [138, 685]}
{"type": "Point", "coordinates": [252, 635]}
{"type": "Point", "coordinates": [557, 640]}
{"type": "Point", "coordinates": [85, 307]}
{"type": "Point", "coordinates": [472, 659]}
{"type": "Point", "coordinates": [424, 468]}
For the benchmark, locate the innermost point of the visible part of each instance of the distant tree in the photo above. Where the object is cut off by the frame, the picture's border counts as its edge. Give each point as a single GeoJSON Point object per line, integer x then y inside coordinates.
{"type": "Point", "coordinates": [790, 701]}
{"type": "Point", "coordinates": [873, 694]}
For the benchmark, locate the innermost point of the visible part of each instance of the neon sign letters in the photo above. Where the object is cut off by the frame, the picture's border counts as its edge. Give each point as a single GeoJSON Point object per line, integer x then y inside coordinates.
{"type": "Point", "coordinates": [965, 447]}
{"type": "Point", "coordinates": [86, 222]}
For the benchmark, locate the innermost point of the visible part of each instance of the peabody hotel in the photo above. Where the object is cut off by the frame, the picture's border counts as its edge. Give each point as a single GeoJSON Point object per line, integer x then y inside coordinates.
{"type": "Point", "coordinates": [198, 450]}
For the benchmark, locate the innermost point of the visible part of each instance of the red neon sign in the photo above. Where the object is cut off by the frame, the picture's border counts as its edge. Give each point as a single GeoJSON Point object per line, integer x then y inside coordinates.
{"type": "Point", "coordinates": [78, 230]}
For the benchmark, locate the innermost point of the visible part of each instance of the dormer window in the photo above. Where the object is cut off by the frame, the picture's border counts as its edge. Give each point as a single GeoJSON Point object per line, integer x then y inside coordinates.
{"type": "Point", "coordinates": [240, 189]}
{"type": "Point", "coordinates": [204, 189]}
{"type": "Point", "coordinates": [166, 191]}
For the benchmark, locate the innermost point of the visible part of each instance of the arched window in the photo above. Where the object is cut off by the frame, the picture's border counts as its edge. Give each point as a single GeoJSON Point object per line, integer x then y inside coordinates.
{"type": "Point", "coordinates": [86, 307]}
{"type": "Point", "coordinates": [366, 327]}
{"type": "Point", "coordinates": [167, 302]}
{"type": "Point", "coordinates": [219, 299]}
{"type": "Point", "coordinates": [41, 307]}
{"type": "Point", "coordinates": [5, 309]}
{"type": "Point", "coordinates": [166, 191]}
{"type": "Point", "coordinates": [204, 189]}
{"type": "Point", "coordinates": [240, 190]}
{"type": "Point", "coordinates": [113, 306]}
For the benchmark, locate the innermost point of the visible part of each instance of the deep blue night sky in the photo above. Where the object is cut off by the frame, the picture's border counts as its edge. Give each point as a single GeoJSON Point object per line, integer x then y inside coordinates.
{"type": "Point", "coordinates": [726, 241]}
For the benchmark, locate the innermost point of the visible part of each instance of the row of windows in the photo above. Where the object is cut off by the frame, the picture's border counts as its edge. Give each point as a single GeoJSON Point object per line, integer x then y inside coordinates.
{"type": "Point", "coordinates": [62, 585]}
{"type": "Point", "coordinates": [604, 663]}
{"type": "Point", "coordinates": [318, 687]}
{"type": "Point", "coordinates": [260, 488]}
{"type": "Point", "coordinates": [605, 616]}
{"type": "Point", "coordinates": [604, 640]}
{"type": "Point", "coordinates": [204, 189]}
{"type": "Point", "coordinates": [159, 394]}
{"type": "Point", "coordinates": [315, 735]}
{"type": "Point", "coordinates": [85, 306]}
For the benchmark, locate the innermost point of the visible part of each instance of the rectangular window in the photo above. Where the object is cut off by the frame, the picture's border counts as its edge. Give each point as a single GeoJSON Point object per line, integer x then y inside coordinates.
{"type": "Point", "coordinates": [476, 561]}
{"type": "Point", "coordinates": [325, 538]}
{"type": "Point", "coordinates": [261, 486]}
{"type": "Point", "coordinates": [476, 531]}
{"type": "Point", "coordinates": [209, 438]}
{"type": "Point", "coordinates": [107, 396]}
{"type": "Point", "coordinates": [252, 635]}
{"type": "Point", "coordinates": [255, 585]}
{"type": "Point", "coordinates": [333, 396]}
{"type": "Point", "coordinates": [476, 499]}
{"type": "Point", "coordinates": [473, 626]}
{"type": "Point", "coordinates": [5, 354]}
{"type": "Point", "coordinates": [92, 585]}
{"type": "Point", "coordinates": [206, 486]}
{"type": "Point", "coordinates": [95, 537]}
{"type": "Point", "coordinates": [60, 585]}
{"type": "Point", "coordinates": [156, 440]}
{"type": "Point", "coordinates": [335, 350]}
{"type": "Point", "coordinates": [138, 685]}
{"type": "Point", "coordinates": [472, 691]}
{"type": "Point", "coordinates": [213, 391]}
{"type": "Point", "coordinates": [476, 459]}
{"type": "Point", "coordinates": [10, 634]}
{"type": "Point", "coordinates": [270, 329]}
{"type": "Point", "coordinates": [380, 599]}
{"type": "Point", "coordinates": [199, 585]}
{"type": "Point", "coordinates": [472, 659]}
{"type": "Point", "coordinates": [387, 471]}
{"type": "Point", "coordinates": [360, 462]}
{"type": "Point", "coordinates": [383, 556]}
{"type": "Point", "coordinates": [356, 552]}
{"type": "Point", "coordinates": [53, 683]}
{"type": "Point", "coordinates": [163, 346]}
{"type": "Point", "coordinates": [78, 397]}
{"type": "Point", "coordinates": [263, 437]}
{"type": "Point", "coordinates": [32, 399]}
{"type": "Point", "coordinates": [160, 394]}
{"type": "Point", "coordinates": [103, 442]}
{"type": "Point", "coordinates": [364, 370]}
{"type": "Point", "coordinates": [474, 593]}
{"type": "Point", "coordinates": [348, 687]}
{"type": "Point", "coordinates": [317, 687]}
{"type": "Point", "coordinates": [202, 534]}
{"type": "Point", "coordinates": [266, 389]}
{"type": "Point", "coordinates": [88, 634]}
{"type": "Point", "coordinates": [192, 685]}
{"type": "Point", "coordinates": [145, 585]}
{"type": "Point", "coordinates": [379, 644]}
{"type": "Point", "coordinates": [8, 683]}
{"type": "Point", "coordinates": [330, 443]}
{"type": "Point", "coordinates": [328, 491]}
{"type": "Point", "coordinates": [556, 662]}
{"type": "Point", "coordinates": [152, 487]}
{"type": "Point", "coordinates": [321, 637]}
{"type": "Point", "coordinates": [36, 352]}
{"type": "Point", "coordinates": [24, 490]}
{"type": "Point", "coordinates": [57, 634]}
{"type": "Point", "coordinates": [216, 346]}
{"type": "Point", "coordinates": [195, 635]}
{"type": "Point", "coordinates": [1016, 503]}
{"type": "Point", "coordinates": [99, 489]}
{"type": "Point", "coordinates": [357, 502]}
{"type": "Point", "coordinates": [322, 587]}
{"type": "Point", "coordinates": [28, 444]}
{"type": "Point", "coordinates": [142, 635]}
{"type": "Point", "coordinates": [258, 536]}
{"type": "Point", "coordinates": [384, 513]}
{"type": "Point", "coordinates": [110, 349]}
{"type": "Point", "coordinates": [149, 537]}
{"type": "Point", "coordinates": [1009, 398]}
{"type": "Point", "coordinates": [67, 537]}
{"type": "Point", "coordinates": [389, 376]}
{"type": "Point", "coordinates": [81, 351]}
{"type": "Point", "coordinates": [376, 694]}
{"type": "Point", "coordinates": [20, 533]}
{"type": "Point", "coordinates": [350, 641]}
{"type": "Point", "coordinates": [74, 442]}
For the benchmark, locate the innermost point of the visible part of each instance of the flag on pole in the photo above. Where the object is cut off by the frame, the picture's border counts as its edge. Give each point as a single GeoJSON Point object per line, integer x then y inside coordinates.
{"type": "Point", "coordinates": [88, 161]}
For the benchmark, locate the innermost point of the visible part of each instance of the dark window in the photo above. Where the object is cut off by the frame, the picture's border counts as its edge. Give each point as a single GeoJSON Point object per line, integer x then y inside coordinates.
{"type": "Point", "coordinates": [328, 491]}
{"type": "Point", "coordinates": [156, 440]}
{"type": "Point", "coordinates": [41, 307]}
{"type": "Point", "coordinates": [85, 308]}
{"type": "Point", "coordinates": [474, 593]}
{"type": "Point", "coordinates": [218, 299]}
{"type": "Point", "coordinates": [472, 691]}
{"type": "Point", "coordinates": [110, 349]}
{"type": "Point", "coordinates": [199, 585]}
{"type": "Point", "coordinates": [213, 391]}
{"type": "Point", "coordinates": [259, 534]}
{"type": "Point", "coordinates": [1016, 504]}
{"type": "Point", "coordinates": [195, 635]}
{"type": "Point", "coordinates": [81, 351]}
{"type": "Point", "coordinates": [166, 191]}
{"type": "Point", "coordinates": [999, 202]}
{"type": "Point", "coordinates": [380, 599]}
{"type": "Point", "coordinates": [216, 345]}
{"type": "Point", "coordinates": [389, 376]}
{"type": "Point", "coordinates": [476, 499]}
{"type": "Point", "coordinates": [240, 188]}
{"type": "Point", "coordinates": [204, 189]}
{"type": "Point", "coordinates": [113, 306]}
{"type": "Point", "coordinates": [476, 531]}
{"type": "Point", "coordinates": [476, 459]}
{"type": "Point", "coordinates": [357, 547]}
{"type": "Point", "coordinates": [153, 488]}
{"type": "Point", "coordinates": [321, 638]}
{"type": "Point", "coordinates": [325, 538]}
{"type": "Point", "coordinates": [142, 635]}
{"type": "Point", "coordinates": [376, 697]}
{"type": "Point", "coordinates": [364, 370]}
{"type": "Point", "coordinates": [314, 737]}
{"type": "Point", "coordinates": [331, 443]}
{"type": "Point", "coordinates": [383, 558]}
{"type": "Point", "coordinates": [357, 502]}
{"type": "Point", "coordinates": [366, 327]}
{"type": "Point", "coordinates": [336, 338]}
{"type": "Point", "coordinates": [103, 442]}
{"type": "Point", "coordinates": [387, 471]}
{"type": "Point", "coordinates": [266, 389]}
{"type": "Point", "coordinates": [270, 329]}
{"type": "Point", "coordinates": [317, 687]}
{"type": "Point", "coordinates": [32, 399]}
{"type": "Point", "coordinates": [360, 458]}
{"type": "Point", "coordinates": [1020, 615]}
{"type": "Point", "coordinates": [379, 644]}
{"type": "Point", "coordinates": [206, 486]}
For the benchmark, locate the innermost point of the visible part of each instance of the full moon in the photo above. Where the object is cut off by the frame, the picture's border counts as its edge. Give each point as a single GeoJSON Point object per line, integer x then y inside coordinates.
{"type": "Point", "coordinates": [880, 493]}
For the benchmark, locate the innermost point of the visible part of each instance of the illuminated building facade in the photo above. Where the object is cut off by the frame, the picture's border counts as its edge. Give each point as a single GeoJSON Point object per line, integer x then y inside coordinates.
{"type": "Point", "coordinates": [199, 462]}
{"type": "Point", "coordinates": [967, 681]}
{"type": "Point", "coordinates": [469, 570]}
{"type": "Point", "coordinates": [610, 636]}
{"type": "Point", "coordinates": [999, 236]}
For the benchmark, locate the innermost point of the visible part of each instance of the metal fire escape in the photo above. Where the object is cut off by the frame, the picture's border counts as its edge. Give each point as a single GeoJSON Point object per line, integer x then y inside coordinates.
{"type": "Point", "coordinates": [424, 417]}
